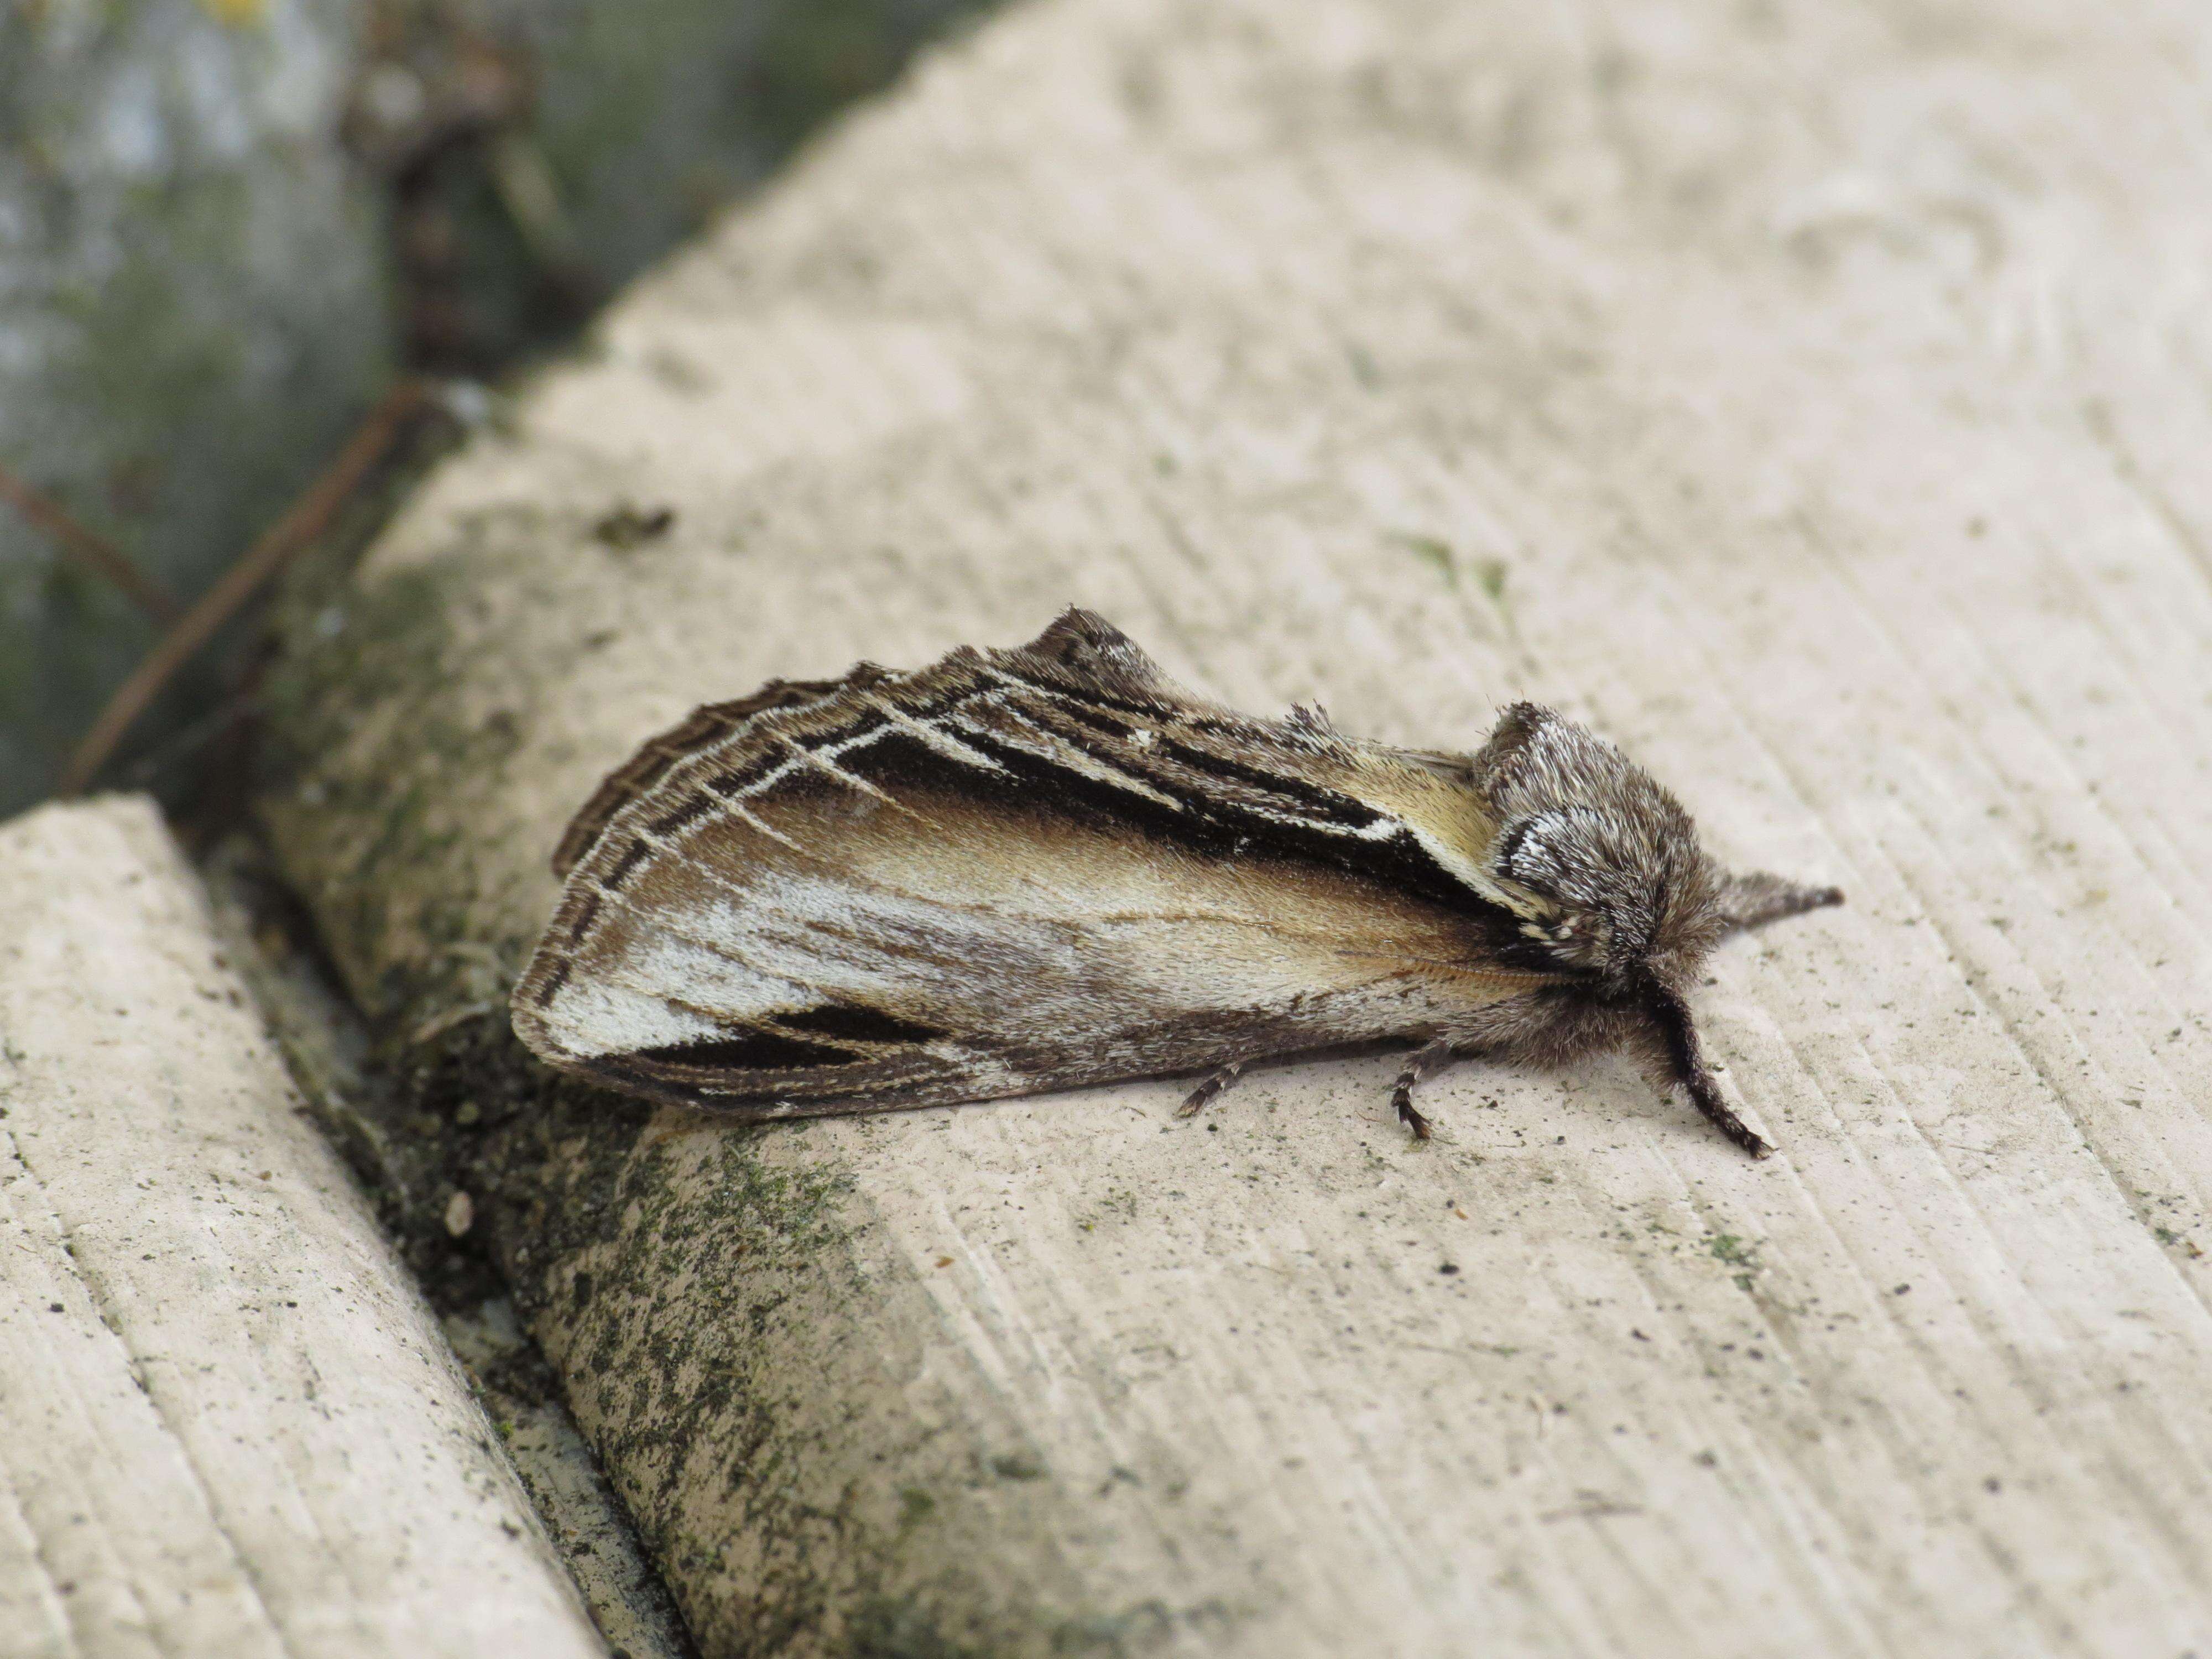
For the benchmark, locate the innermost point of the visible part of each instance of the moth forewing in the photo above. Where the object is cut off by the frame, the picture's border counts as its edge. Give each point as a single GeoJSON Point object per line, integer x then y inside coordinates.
{"type": "Point", "coordinates": [1019, 871]}
{"type": "Point", "coordinates": [931, 946]}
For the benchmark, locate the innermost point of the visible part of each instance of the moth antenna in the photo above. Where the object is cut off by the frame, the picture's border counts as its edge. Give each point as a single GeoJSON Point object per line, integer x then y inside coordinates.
{"type": "Point", "coordinates": [1685, 1062]}
{"type": "Point", "coordinates": [1751, 898]}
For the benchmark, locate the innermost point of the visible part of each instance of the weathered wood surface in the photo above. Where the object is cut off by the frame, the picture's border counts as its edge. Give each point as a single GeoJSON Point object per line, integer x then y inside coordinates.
{"type": "Point", "coordinates": [1812, 397]}
{"type": "Point", "coordinates": [229, 1425]}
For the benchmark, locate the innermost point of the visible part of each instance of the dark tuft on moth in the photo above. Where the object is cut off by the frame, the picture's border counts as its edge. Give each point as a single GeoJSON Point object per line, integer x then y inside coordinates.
{"type": "Point", "coordinates": [1026, 870]}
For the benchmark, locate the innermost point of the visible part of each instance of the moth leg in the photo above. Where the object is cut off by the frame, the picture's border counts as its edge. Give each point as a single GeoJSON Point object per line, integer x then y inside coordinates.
{"type": "Point", "coordinates": [1429, 1058]}
{"type": "Point", "coordinates": [1709, 1101]}
{"type": "Point", "coordinates": [1682, 1062]}
{"type": "Point", "coordinates": [1214, 1084]}
{"type": "Point", "coordinates": [1753, 898]}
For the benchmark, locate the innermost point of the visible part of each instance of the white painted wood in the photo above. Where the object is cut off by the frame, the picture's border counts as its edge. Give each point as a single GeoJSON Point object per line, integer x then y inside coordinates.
{"type": "Point", "coordinates": [229, 1424]}
{"type": "Point", "coordinates": [1812, 397]}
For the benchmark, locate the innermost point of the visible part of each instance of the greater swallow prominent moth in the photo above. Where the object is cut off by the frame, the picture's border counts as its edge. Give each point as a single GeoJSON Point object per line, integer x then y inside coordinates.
{"type": "Point", "coordinates": [1020, 871]}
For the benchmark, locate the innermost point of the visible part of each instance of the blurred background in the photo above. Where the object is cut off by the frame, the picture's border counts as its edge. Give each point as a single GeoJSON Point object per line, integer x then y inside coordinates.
{"type": "Point", "coordinates": [229, 227]}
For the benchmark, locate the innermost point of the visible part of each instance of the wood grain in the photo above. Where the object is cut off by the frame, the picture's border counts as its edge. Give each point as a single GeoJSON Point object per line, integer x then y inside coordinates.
{"type": "Point", "coordinates": [1812, 399]}
{"type": "Point", "coordinates": [229, 1424]}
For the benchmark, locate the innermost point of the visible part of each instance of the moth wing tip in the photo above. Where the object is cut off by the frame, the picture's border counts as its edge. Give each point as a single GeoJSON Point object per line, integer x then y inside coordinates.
{"type": "Point", "coordinates": [524, 1018]}
{"type": "Point", "coordinates": [527, 1007]}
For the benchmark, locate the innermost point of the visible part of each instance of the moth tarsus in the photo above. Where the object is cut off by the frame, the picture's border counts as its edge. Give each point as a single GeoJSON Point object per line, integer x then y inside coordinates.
{"type": "Point", "coordinates": [1217, 1080]}
{"type": "Point", "coordinates": [897, 889]}
{"type": "Point", "coordinates": [1425, 1061]}
{"type": "Point", "coordinates": [1686, 1062]}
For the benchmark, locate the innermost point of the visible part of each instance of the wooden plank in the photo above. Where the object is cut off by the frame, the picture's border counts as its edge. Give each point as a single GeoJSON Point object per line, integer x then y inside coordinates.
{"type": "Point", "coordinates": [1812, 399]}
{"type": "Point", "coordinates": [227, 1422]}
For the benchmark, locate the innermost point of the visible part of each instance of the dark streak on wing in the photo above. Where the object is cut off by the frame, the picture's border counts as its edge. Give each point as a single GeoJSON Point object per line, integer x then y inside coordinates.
{"type": "Point", "coordinates": [926, 709]}
{"type": "Point", "coordinates": [1082, 729]}
{"type": "Point", "coordinates": [687, 812]}
{"type": "Point", "coordinates": [749, 1050]}
{"type": "Point", "coordinates": [636, 853]}
{"type": "Point", "coordinates": [1309, 798]}
{"type": "Point", "coordinates": [1091, 717]}
{"type": "Point", "coordinates": [849, 1022]}
{"type": "Point", "coordinates": [738, 779]}
{"type": "Point", "coordinates": [554, 980]}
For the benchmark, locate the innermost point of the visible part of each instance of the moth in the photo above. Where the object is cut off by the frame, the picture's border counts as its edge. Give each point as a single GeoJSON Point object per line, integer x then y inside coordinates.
{"type": "Point", "coordinates": [1026, 870]}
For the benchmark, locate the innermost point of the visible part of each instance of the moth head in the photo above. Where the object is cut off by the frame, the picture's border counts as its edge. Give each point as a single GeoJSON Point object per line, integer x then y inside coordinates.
{"type": "Point", "coordinates": [1618, 885]}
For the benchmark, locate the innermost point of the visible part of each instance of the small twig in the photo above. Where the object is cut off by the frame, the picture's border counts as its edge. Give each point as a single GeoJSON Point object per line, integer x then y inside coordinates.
{"type": "Point", "coordinates": [524, 181]}
{"type": "Point", "coordinates": [88, 547]}
{"type": "Point", "coordinates": [306, 519]}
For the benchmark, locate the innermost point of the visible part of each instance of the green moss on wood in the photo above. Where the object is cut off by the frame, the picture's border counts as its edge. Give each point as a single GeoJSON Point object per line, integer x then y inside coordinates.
{"type": "Point", "coordinates": [378, 785]}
